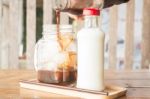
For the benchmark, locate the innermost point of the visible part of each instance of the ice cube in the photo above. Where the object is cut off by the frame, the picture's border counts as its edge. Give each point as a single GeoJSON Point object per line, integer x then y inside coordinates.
{"type": "Point", "coordinates": [66, 40]}
{"type": "Point", "coordinates": [73, 59]}
{"type": "Point", "coordinates": [62, 59]}
{"type": "Point", "coordinates": [72, 46]}
{"type": "Point", "coordinates": [49, 51]}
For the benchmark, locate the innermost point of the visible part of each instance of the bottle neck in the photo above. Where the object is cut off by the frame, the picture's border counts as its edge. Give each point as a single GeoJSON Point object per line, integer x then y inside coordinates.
{"type": "Point", "coordinates": [91, 21]}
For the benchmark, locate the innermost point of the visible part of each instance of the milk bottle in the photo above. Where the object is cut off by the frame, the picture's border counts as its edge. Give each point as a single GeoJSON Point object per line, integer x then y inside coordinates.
{"type": "Point", "coordinates": [90, 42]}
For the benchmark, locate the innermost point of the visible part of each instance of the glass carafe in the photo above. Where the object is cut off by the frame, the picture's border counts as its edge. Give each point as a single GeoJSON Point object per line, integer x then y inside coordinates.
{"type": "Point", "coordinates": [76, 4]}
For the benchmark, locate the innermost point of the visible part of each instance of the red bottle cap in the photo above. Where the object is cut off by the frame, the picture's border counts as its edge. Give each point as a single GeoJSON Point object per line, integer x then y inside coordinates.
{"type": "Point", "coordinates": [91, 11]}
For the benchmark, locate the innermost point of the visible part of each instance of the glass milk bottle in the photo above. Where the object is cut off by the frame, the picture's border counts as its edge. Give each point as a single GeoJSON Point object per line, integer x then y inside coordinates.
{"type": "Point", "coordinates": [90, 58]}
{"type": "Point", "coordinates": [55, 63]}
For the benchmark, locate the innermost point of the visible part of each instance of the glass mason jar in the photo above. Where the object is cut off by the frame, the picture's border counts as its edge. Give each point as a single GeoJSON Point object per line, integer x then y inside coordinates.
{"type": "Point", "coordinates": [55, 63]}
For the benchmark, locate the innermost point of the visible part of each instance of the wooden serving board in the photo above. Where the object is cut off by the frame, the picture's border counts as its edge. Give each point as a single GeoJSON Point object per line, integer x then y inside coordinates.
{"type": "Point", "coordinates": [110, 92]}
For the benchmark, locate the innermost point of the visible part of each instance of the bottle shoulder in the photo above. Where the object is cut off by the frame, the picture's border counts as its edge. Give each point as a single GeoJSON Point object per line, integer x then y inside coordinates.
{"type": "Point", "coordinates": [91, 32]}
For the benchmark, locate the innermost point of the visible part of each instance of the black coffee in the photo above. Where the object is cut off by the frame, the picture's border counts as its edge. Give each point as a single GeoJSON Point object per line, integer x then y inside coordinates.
{"type": "Point", "coordinates": [57, 77]}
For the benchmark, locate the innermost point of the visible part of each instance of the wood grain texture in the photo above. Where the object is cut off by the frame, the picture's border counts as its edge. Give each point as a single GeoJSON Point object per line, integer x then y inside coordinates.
{"type": "Point", "coordinates": [13, 33]}
{"type": "Point", "coordinates": [136, 82]}
{"type": "Point", "coordinates": [47, 12]}
{"type": "Point", "coordinates": [139, 93]}
{"type": "Point", "coordinates": [146, 35]}
{"type": "Point", "coordinates": [5, 37]}
{"type": "Point", "coordinates": [130, 83]}
{"type": "Point", "coordinates": [20, 21]}
{"type": "Point", "coordinates": [129, 35]}
{"type": "Point", "coordinates": [130, 79]}
{"type": "Point", "coordinates": [110, 92]}
{"type": "Point", "coordinates": [31, 32]}
{"type": "Point", "coordinates": [0, 31]}
{"type": "Point", "coordinates": [128, 74]}
{"type": "Point", "coordinates": [9, 86]}
{"type": "Point", "coordinates": [113, 37]}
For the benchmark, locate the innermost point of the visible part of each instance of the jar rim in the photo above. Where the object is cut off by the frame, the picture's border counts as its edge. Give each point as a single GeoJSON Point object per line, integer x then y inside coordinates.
{"type": "Point", "coordinates": [52, 28]}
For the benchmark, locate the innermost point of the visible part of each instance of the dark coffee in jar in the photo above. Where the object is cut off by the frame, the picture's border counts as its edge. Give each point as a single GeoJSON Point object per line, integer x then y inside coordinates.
{"type": "Point", "coordinates": [65, 73]}
{"type": "Point", "coordinates": [58, 76]}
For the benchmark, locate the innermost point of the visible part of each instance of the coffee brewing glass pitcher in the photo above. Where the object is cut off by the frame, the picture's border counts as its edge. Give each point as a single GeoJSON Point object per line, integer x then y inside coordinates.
{"type": "Point", "coordinates": [76, 4]}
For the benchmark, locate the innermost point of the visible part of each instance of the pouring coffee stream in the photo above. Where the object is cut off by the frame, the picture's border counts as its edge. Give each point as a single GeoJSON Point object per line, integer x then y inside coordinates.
{"type": "Point", "coordinates": [63, 45]}
{"type": "Point", "coordinates": [57, 11]}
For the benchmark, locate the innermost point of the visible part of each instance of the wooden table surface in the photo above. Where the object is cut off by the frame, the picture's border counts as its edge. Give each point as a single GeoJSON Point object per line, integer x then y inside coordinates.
{"type": "Point", "coordinates": [137, 83]}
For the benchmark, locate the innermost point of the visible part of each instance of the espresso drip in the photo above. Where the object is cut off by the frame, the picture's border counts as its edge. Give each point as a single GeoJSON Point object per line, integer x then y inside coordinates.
{"type": "Point", "coordinates": [61, 40]}
{"type": "Point", "coordinates": [57, 11]}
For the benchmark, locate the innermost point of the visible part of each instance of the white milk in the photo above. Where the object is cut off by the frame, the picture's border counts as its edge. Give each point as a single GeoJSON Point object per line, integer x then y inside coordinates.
{"type": "Point", "coordinates": [90, 41]}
